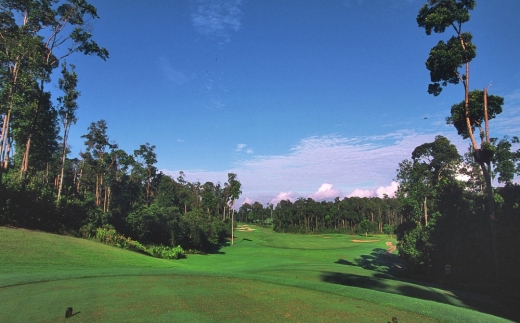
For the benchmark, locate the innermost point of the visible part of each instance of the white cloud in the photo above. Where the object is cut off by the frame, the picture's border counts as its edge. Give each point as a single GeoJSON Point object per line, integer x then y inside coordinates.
{"type": "Point", "coordinates": [361, 193]}
{"type": "Point", "coordinates": [379, 192]}
{"type": "Point", "coordinates": [326, 192]}
{"type": "Point", "coordinates": [240, 147]}
{"type": "Point", "coordinates": [217, 18]}
{"type": "Point", "coordinates": [248, 201]}
{"type": "Point", "coordinates": [335, 164]}
{"type": "Point", "coordinates": [284, 196]}
{"type": "Point", "coordinates": [388, 190]}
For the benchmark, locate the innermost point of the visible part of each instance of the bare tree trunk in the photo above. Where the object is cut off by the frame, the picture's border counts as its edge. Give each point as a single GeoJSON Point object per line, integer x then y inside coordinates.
{"type": "Point", "coordinates": [425, 211]}
{"type": "Point", "coordinates": [25, 160]}
{"type": "Point", "coordinates": [4, 156]}
{"type": "Point", "coordinates": [97, 190]}
{"type": "Point", "coordinates": [66, 127]}
{"type": "Point", "coordinates": [80, 174]}
{"type": "Point", "coordinates": [486, 114]}
{"type": "Point", "coordinates": [4, 148]}
{"type": "Point", "coordinates": [7, 152]}
{"type": "Point", "coordinates": [232, 223]}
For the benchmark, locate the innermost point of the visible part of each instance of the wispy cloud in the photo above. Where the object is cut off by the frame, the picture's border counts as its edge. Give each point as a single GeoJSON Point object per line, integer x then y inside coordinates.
{"type": "Point", "coordinates": [217, 18]}
{"type": "Point", "coordinates": [323, 167]}
{"type": "Point", "coordinates": [508, 122]}
{"type": "Point", "coordinates": [242, 148]}
{"type": "Point", "coordinates": [172, 74]}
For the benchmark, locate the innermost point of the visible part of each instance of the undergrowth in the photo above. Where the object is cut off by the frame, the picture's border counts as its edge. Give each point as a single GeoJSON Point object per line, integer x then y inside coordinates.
{"type": "Point", "coordinates": [111, 237]}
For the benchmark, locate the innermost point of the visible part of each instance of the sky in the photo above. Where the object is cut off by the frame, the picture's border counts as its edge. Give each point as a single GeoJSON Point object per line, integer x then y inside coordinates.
{"type": "Point", "coordinates": [299, 98]}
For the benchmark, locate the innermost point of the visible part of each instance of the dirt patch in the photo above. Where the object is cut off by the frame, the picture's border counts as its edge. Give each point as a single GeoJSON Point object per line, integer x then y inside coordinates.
{"type": "Point", "coordinates": [326, 237]}
{"type": "Point", "coordinates": [391, 247]}
{"type": "Point", "coordinates": [364, 240]}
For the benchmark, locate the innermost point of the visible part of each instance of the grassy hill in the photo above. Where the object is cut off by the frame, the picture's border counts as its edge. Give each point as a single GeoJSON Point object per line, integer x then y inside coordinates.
{"type": "Point", "coordinates": [264, 277]}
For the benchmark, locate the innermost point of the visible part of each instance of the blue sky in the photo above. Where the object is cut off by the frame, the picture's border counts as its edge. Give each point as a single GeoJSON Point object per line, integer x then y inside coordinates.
{"type": "Point", "coordinates": [299, 98]}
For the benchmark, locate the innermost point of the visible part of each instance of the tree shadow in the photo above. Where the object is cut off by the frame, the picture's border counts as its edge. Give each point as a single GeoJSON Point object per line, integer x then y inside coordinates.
{"type": "Point", "coordinates": [380, 283]}
{"type": "Point", "coordinates": [389, 267]}
{"type": "Point", "coordinates": [378, 260]}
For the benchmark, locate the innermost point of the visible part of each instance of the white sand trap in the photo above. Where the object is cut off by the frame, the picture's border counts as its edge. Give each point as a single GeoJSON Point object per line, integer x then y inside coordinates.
{"type": "Point", "coordinates": [364, 240]}
{"type": "Point", "coordinates": [244, 228]}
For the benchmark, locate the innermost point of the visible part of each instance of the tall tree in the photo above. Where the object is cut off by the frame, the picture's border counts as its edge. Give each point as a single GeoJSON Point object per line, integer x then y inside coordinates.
{"type": "Point", "coordinates": [98, 147]}
{"type": "Point", "coordinates": [450, 63]}
{"type": "Point", "coordinates": [34, 36]}
{"type": "Point", "coordinates": [67, 111]}
{"type": "Point", "coordinates": [146, 156]}
{"type": "Point", "coordinates": [233, 187]}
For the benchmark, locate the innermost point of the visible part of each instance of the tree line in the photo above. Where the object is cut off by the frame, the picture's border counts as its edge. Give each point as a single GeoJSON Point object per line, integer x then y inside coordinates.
{"type": "Point", "coordinates": [42, 187]}
{"type": "Point", "coordinates": [347, 215]}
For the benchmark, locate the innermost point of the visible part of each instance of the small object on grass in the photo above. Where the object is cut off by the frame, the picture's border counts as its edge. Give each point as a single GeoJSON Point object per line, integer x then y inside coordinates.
{"type": "Point", "coordinates": [68, 312]}
{"type": "Point", "coordinates": [394, 319]}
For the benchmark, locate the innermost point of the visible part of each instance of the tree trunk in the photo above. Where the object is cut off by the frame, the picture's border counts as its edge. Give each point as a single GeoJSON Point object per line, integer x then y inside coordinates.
{"type": "Point", "coordinates": [4, 155]}
{"type": "Point", "coordinates": [78, 187]}
{"type": "Point", "coordinates": [25, 160]}
{"type": "Point", "coordinates": [232, 223]}
{"type": "Point", "coordinates": [4, 149]}
{"type": "Point", "coordinates": [66, 127]}
{"type": "Point", "coordinates": [425, 211]}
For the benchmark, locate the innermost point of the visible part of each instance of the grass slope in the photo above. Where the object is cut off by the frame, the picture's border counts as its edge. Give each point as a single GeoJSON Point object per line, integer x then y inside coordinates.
{"type": "Point", "coordinates": [264, 277]}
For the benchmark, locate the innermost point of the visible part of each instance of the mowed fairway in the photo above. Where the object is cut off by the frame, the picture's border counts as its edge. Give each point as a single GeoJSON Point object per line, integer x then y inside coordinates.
{"type": "Point", "coordinates": [264, 277]}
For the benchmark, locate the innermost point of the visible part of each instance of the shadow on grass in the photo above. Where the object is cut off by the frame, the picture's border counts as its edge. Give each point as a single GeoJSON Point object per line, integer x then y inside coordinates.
{"type": "Point", "coordinates": [380, 282]}
{"type": "Point", "coordinates": [378, 260]}
{"type": "Point", "coordinates": [390, 269]}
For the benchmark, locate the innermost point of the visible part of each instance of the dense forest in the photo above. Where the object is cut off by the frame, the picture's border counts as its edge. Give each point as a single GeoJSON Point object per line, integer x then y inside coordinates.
{"type": "Point", "coordinates": [41, 187]}
{"type": "Point", "coordinates": [445, 212]}
{"type": "Point", "coordinates": [347, 215]}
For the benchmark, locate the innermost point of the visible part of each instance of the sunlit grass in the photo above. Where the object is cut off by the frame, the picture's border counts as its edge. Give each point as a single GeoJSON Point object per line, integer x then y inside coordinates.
{"type": "Point", "coordinates": [264, 277]}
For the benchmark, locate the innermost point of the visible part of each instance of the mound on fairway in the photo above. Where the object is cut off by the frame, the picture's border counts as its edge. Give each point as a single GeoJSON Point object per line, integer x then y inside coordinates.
{"type": "Point", "coordinates": [259, 279]}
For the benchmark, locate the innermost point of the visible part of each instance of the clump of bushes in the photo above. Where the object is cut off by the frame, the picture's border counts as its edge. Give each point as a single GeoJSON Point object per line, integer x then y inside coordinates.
{"type": "Point", "coordinates": [167, 252]}
{"type": "Point", "coordinates": [111, 237]}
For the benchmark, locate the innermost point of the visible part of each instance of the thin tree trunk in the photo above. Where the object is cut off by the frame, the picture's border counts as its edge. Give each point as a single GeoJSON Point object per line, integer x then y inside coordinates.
{"type": "Point", "coordinates": [8, 151]}
{"type": "Point", "coordinates": [232, 223]}
{"type": "Point", "coordinates": [425, 211]}
{"type": "Point", "coordinates": [66, 127]}
{"type": "Point", "coordinates": [25, 160]}
{"type": "Point", "coordinates": [4, 149]}
{"type": "Point", "coordinates": [486, 114]}
{"type": "Point", "coordinates": [4, 157]}
{"type": "Point", "coordinates": [97, 190]}
{"type": "Point", "coordinates": [78, 187]}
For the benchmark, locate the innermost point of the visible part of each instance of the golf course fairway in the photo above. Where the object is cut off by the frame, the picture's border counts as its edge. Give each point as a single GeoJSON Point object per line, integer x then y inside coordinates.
{"type": "Point", "coordinates": [263, 277]}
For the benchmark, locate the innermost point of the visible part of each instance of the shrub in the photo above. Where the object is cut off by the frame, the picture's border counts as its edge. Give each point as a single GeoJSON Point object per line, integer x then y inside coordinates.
{"type": "Point", "coordinates": [166, 252]}
{"type": "Point", "coordinates": [110, 236]}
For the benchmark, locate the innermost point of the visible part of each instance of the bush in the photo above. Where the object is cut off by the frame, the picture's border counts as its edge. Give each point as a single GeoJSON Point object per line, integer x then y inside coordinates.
{"type": "Point", "coordinates": [167, 252]}
{"type": "Point", "coordinates": [110, 236]}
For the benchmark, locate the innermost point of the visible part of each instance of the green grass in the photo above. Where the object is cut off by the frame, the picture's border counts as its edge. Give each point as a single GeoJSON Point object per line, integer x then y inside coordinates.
{"type": "Point", "coordinates": [264, 277]}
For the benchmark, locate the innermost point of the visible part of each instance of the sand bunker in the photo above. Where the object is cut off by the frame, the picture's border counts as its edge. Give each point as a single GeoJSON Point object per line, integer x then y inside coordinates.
{"type": "Point", "coordinates": [364, 240]}
{"type": "Point", "coordinates": [244, 228]}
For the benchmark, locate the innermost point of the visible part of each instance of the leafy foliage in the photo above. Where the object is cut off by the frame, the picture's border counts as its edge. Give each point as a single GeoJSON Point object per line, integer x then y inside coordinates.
{"type": "Point", "coordinates": [111, 237]}
{"type": "Point", "coordinates": [475, 112]}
